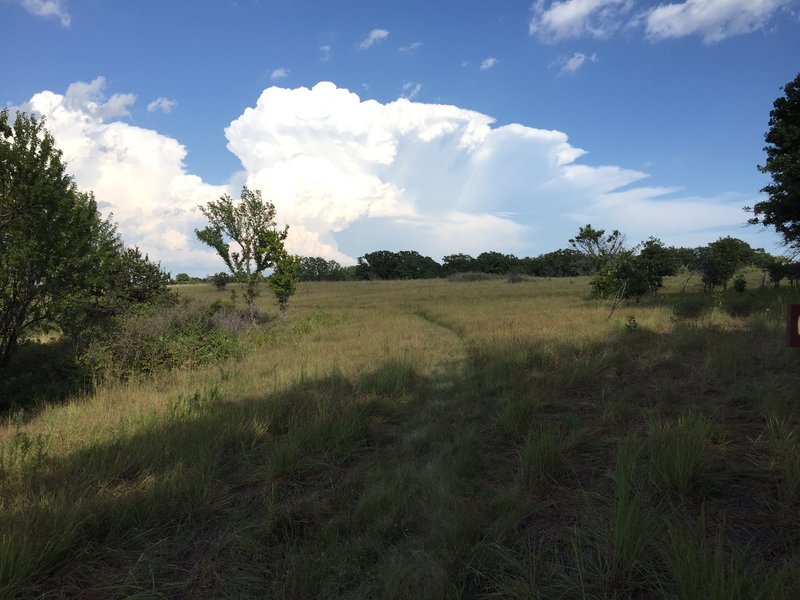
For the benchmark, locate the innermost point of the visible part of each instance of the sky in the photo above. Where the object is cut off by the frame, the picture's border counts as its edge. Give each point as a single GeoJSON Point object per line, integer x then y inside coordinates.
{"type": "Point", "coordinates": [438, 126]}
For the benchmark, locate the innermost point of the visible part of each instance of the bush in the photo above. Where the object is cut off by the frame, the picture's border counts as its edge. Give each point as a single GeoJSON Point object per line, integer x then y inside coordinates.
{"type": "Point", "coordinates": [150, 340]}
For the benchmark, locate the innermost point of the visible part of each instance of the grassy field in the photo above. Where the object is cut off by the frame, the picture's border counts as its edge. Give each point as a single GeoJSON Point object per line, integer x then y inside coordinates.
{"type": "Point", "coordinates": [429, 440]}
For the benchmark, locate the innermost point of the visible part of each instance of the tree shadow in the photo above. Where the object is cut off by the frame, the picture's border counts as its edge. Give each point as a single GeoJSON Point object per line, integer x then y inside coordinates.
{"type": "Point", "coordinates": [41, 374]}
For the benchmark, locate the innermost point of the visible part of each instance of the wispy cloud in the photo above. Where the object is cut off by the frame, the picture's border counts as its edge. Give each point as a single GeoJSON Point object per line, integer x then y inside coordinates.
{"type": "Point", "coordinates": [280, 73]}
{"type": "Point", "coordinates": [49, 8]}
{"type": "Point", "coordinates": [163, 104]}
{"type": "Point", "coordinates": [714, 20]}
{"type": "Point", "coordinates": [555, 21]}
{"type": "Point", "coordinates": [488, 63]}
{"type": "Point", "coordinates": [570, 65]}
{"type": "Point", "coordinates": [411, 48]}
{"type": "Point", "coordinates": [373, 37]}
{"type": "Point", "coordinates": [325, 53]}
{"type": "Point", "coordinates": [411, 89]}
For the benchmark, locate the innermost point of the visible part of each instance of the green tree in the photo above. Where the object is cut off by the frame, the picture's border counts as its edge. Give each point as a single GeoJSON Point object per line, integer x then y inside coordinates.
{"type": "Point", "coordinates": [54, 245]}
{"type": "Point", "coordinates": [220, 280]}
{"type": "Point", "coordinates": [495, 263]}
{"type": "Point", "coordinates": [621, 278]}
{"type": "Point", "coordinates": [458, 263]}
{"type": "Point", "coordinates": [245, 236]}
{"type": "Point", "coordinates": [723, 258]}
{"type": "Point", "coordinates": [283, 281]}
{"type": "Point", "coordinates": [316, 268]}
{"type": "Point", "coordinates": [381, 264]}
{"type": "Point", "coordinates": [183, 278]}
{"type": "Point", "coordinates": [782, 207]}
{"type": "Point", "coordinates": [656, 261]}
{"type": "Point", "coordinates": [560, 263]}
{"type": "Point", "coordinates": [598, 247]}
{"type": "Point", "coordinates": [412, 265]}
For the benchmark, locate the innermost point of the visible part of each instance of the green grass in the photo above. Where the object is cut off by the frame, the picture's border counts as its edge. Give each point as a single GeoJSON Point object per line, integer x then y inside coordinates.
{"type": "Point", "coordinates": [427, 439]}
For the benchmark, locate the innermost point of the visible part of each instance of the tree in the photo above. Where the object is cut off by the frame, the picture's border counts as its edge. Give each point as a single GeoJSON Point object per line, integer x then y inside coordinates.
{"type": "Point", "coordinates": [53, 242]}
{"type": "Point", "coordinates": [316, 268]}
{"type": "Point", "coordinates": [495, 263]}
{"type": "Point", "coordinates": [412, 265]}
{"type": "Point", "coordinates": [458, 263]}
{"type": "Point", "coordinates": [621, 278]}
{"type": "Point", "coordinates": [782, 208]}
{"type": "Point", "coordinates": [656, 261]}
{"type": "Point", "coordinates": [220, 280]}
{"type": "Point", "coordinates": [257, 241]}
{"type": "Point", "coordinates": [560, 263]}
{"type": "Point", "coordinates": [723, 258]}
{"type": "Point", "coordinates": [381, 264]}
{"type": "Point", "coordinates": [283, 281]}
{"type": "Point", "coordinates": [597, 246]}
{"type": "Point", "coordinates": [183, 278]}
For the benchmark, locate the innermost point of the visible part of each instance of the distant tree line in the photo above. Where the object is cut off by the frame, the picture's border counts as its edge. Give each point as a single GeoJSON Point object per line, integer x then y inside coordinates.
{"type": "Point", "coordinates": [617, 269]}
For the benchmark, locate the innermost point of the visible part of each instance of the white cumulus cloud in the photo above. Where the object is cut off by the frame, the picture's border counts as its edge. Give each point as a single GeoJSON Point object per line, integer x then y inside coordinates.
{"type": "Point", "coordinates": [553, 21]}
{"type": "Point", "coordinates": [714, 20]}
{"type": "Point", "coordinates": [352, 176]}
{"type": "Point", "coordinates": [488, 63]}
{"type": "Point", "coordinates": [90, 98]}
{"type": "Point", "coordinates": [136, 174]}
{"type": "Point", "coordinates": [279, 73]}
{"type": "Point", "coordinates": [49, 8]}
{"type": "Point", "coordinates": [163, 104]}
{"type": "Point", "coordinates": [374, 36]}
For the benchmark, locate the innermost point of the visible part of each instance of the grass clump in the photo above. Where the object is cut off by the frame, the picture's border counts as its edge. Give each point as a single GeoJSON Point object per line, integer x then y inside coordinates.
{"type": "Point", "coordinates": [546, 450]}
{"type": "Point", "coordinates": [679, 451]}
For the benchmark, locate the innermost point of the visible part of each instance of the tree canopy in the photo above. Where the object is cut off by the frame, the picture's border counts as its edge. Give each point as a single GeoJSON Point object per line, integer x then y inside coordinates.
{"type": "Point", "coordinates": [782, 207]}
{"type": "Point", "coordinates": [61, 263]}
{"type": "Point", "coordinates": [245, 236]}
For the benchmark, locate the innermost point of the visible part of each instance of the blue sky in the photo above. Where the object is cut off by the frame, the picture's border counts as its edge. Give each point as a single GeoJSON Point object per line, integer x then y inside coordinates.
{"type": "Point", "coordinates": [522, 120]}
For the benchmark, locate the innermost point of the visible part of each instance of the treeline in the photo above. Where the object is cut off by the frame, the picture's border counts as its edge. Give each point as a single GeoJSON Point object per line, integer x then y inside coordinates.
{"type": "Point", "coordinates": [409, 264]}
{"type": "Point", "coordinates": [630, 272]}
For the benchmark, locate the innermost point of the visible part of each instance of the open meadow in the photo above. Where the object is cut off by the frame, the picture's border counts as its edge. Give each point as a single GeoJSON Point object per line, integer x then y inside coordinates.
{"type": "Point", "coordinates": [429, 439]}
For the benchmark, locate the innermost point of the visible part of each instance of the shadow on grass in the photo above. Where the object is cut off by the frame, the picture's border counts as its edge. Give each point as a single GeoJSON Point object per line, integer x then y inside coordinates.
{"type": "Point", "coordinates": [546, 471]}
{"type": "Point", "coordinates": [209, 497]}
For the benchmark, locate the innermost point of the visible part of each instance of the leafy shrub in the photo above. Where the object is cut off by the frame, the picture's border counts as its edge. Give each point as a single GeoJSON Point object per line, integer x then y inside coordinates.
{"type": "Point", "coordinates": [740, 283]}
{"type": "Point", "coordinates": [157, 339]}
